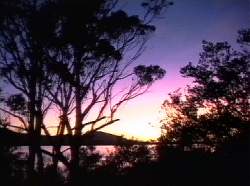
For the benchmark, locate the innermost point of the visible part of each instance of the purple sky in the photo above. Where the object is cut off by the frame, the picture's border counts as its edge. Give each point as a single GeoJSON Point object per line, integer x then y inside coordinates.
{"type": "Point", "coordinates": [177, 41]}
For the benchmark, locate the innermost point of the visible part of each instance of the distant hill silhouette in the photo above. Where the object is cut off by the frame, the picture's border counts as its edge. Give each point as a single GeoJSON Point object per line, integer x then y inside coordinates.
{"type": "Point", "coordinates": [8, 137]}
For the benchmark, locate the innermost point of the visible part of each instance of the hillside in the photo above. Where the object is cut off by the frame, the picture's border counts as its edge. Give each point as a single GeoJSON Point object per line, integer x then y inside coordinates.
{"type": "Point", "coordinates": [8, 137]}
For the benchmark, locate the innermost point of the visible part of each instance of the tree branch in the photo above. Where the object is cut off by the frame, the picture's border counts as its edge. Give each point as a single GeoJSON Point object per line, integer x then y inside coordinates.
{"type": "Point", "coordinates": [16, 116]}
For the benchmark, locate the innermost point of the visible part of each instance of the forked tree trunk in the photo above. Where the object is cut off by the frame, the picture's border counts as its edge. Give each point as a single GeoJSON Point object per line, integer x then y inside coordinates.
{"type": "Point", "coordinates": [75, 147]}
{"type": "Point", "coordinates": [64, 124]}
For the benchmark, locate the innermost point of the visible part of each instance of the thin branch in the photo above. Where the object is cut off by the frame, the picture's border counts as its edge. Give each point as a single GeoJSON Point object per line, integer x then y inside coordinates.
{"type": "Point", "coordinates": [13, 126]}
{"type": "Point", "coordinates": [89, 123]}
{"type": "Point", "coordinates": [16, 116]}
{"type": "Point", "coordinates": [104, 125]}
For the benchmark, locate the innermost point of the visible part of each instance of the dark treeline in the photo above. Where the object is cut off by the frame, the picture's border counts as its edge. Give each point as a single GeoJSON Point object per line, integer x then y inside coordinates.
{"type": "Point", "coordinates": [209, 121]}
{"type": "Point", "coordinates": [71, 55]}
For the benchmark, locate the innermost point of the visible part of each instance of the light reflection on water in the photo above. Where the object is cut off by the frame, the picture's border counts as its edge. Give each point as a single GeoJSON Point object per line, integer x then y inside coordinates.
{"type": "Point", "coordinates": [102, 149]}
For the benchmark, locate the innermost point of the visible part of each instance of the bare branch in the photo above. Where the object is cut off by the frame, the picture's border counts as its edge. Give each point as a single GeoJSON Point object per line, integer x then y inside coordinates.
{"type": "Point", "coordinates": [13, 126]}
{"type": "Point", "coordinates": [105, 125]}
{"type": "Point", "coordinates": [16, 116]}
{"type": "Point", "coordinates": [89, 123]}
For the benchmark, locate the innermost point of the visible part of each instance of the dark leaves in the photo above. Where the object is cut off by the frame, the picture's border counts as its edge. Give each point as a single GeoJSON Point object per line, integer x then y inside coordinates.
{"type": "Point", "coordinates": [149, 74]}
{"type": "Point", "coordinates": [17, 103]}
{"type": "Point", "coordinates": [221, 88]}
{"type": "Point", "coordinates": [244, 36]}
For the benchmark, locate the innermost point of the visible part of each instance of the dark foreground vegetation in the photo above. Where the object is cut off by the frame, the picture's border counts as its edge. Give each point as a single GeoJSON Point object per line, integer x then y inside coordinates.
{"type": "Point", "coordinates": [74, 64]}
{"type": "Point", "coordinates": [133, 165]}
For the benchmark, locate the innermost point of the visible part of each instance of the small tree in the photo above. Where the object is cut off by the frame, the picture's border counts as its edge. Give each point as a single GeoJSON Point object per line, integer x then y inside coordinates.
{"type": "Point", "coordinates": [206, 129]}
{"type": "Point", "coordinates": [215, 109]}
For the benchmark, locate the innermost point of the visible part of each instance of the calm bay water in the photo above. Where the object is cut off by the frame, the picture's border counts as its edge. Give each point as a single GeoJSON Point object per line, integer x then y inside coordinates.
{"type": "Point", "coordinates": [102, 149]}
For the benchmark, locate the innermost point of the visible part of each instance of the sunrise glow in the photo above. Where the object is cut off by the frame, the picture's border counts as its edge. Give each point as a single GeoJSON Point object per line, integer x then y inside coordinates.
{"type": "Point", "coordinates": [177, 41]}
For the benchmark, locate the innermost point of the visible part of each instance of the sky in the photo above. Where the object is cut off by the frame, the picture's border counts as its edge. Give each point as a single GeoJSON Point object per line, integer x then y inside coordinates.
{"type": "Point", "coordinates": [176, 42]}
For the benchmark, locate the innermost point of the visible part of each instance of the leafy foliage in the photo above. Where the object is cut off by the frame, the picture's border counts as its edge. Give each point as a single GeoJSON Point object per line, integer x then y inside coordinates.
{"type": "Point", "coordinates": [17, 103]}
{"type": "Point", "coordinates": [216, 108]}
{"type": "Point", "coordinates": [148, 75]}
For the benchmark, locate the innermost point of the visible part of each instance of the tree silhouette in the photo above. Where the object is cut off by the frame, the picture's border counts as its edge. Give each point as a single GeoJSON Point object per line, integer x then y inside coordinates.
{"type": "Point", "coordinates": [84, 52]}
{"type": "Point", "coordinates": [216, 108]}
{"type": "Point", "coordinates": [127, 157]}
{"type": "Point", "coordinates": [20, 65]}
{"type": "Point", "coordinates": [206, 127]}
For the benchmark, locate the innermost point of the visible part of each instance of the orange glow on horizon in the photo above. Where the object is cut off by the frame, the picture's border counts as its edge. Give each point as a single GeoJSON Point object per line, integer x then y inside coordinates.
{"type": "Point", "coordinates": [139, 118]}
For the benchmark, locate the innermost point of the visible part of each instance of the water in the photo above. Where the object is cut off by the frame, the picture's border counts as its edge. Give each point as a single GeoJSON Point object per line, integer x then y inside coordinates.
{"type": "Point", "coordinates": [103, 150]}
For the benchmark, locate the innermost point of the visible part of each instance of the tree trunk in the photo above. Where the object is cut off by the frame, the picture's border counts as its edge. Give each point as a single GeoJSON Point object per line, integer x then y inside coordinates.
{"type": "Point", "coordinates": [64, 124]}
{"type": "Point", "coordinates": [32, 150]}
{"type": "Point", "coordinates": [38, 128]}
{"type": "Point", "coordinates": [75, 144]}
